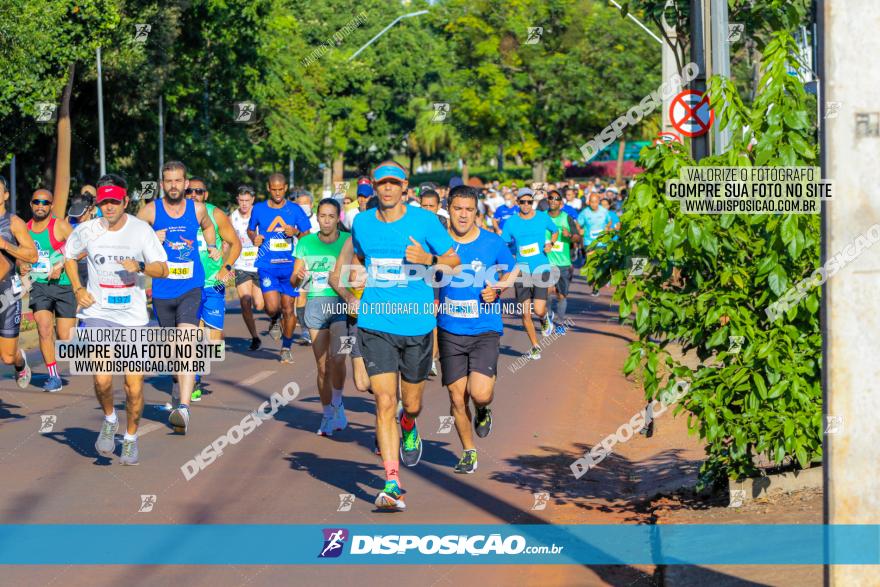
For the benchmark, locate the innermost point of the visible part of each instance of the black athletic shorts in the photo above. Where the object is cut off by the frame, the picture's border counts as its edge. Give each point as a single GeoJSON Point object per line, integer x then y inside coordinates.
{"type": "Point", "coordinates": [54, 298]}
{"type": "Point", "coordinates": [563, 284]}
{"type": "Point", "coordinates": [245, 276]}
{"type": "Point", "coordinates": [392, 353]}
{"type": "Point", "coordinates": [182, 310]}
{"type": "Point", "coordinates": [461, 354]}
{"type": "Point", "coordinates": [535, 291]}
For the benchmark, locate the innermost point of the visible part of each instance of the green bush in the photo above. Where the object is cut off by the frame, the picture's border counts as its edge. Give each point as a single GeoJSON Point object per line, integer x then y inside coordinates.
{"type": "Point", "coordinates": [710, 277]}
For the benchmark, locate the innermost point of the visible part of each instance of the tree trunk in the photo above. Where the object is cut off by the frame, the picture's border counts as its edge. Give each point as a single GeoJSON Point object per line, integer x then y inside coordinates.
{"type": "Point", "coordinates": [412, 160]}
{"type": "Point", "coordinates": [518, 159]}
{"type": "Point", "coordinates": [500, 158]}
{"type": "Point", "coordinates": [338, 166]}
{"type": "Point", "coordinates": [620, 151]}
{"type": "Point", "coordinates": [539, 171]}
{"type": "Point", "coordinates": [464, 171]}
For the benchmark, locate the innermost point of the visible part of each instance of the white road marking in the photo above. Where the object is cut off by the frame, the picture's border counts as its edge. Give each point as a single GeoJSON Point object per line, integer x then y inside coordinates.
{"type": "Point", "coordinates": [256, 378]}
{"type": "Point", "coordinates": [149, 427]}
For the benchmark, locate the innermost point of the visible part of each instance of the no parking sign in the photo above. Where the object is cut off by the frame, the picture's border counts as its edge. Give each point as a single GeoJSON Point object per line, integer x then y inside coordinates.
{"type": "Point", "coordinates": [690, 114]}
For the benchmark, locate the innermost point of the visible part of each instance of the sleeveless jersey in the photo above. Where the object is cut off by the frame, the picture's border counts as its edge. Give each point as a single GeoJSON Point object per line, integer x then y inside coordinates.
{"type": "Point", "coordinates": [185, 271]}
{"type": "Point", "coordinates": [49, 253]}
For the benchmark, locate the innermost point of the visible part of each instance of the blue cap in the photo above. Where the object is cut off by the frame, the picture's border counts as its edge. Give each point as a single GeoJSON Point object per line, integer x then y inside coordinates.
{"type": "Point", "coordinates": [455, 182]}
{"type": "Point", "coordinates": [389, 171]}
{"type": "Point", "coordinates": [365, 189]}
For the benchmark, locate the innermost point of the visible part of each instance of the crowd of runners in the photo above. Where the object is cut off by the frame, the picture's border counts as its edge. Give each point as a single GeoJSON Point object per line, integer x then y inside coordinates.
{"type": "Point", "coordinates": [403, 281]}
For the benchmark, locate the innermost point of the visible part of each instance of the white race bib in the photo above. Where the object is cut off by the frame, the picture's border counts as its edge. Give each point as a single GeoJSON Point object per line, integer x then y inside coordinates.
{"type": "Point", "coordinates": [390, 269]}
{"type": "Point", "coordinates": [42, 266]}
{"type": "Point", "coordinates": [529, 250]}
{"type": "Point", "coordinates": [462, 308]}
{"type": "Point", "coordinates": [16, 285]}
{"type": "Point", "coordinates": [180, 270]}
{"type": "Point", "coordinates": [319, 279]}
{"type": "Point", "coordinates": [116, 298]}
{"type": "Point", "coordinates": [280, 245]}
{"type": "Point", "coordinates": [557, 247]}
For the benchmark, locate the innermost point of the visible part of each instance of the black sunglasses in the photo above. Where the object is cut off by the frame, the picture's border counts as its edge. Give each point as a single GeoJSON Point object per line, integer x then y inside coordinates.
{"type": "Point", "coordinates": [41, 202]}
{"type": "Point", "coordinates": [197, 191]}
{"type": "Point", "coordinates": [525, 202]}
{"type": "Point", "coordinates": [555, 198]}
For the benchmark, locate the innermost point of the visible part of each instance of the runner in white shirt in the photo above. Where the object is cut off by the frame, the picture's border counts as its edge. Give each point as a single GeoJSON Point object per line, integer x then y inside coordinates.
{"type": "Point", "coordinates": [121, 250]}
{"type": "Point", "coordinates": [247, 282]}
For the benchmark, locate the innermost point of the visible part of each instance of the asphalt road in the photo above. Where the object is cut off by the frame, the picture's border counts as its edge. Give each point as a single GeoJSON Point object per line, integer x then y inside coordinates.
{"type": "Point", "coordinates": [546, 414]}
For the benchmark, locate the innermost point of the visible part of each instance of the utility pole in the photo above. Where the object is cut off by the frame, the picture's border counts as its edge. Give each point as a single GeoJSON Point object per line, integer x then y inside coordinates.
{"type": "Point", "coordinates": [290, 176]}
{"type": "Point", "coordinates": [699, 145]}
{"type": "Point", "coordinates": [159, 192]}
{"type": "Point", "coordinates": [850, 150]}
{"type": "Point", "coordinates": [720, 65]}
{"type": "Point", "coordinates": [101, 115]}
{"type": "Point", "coordinates": [13, 192]}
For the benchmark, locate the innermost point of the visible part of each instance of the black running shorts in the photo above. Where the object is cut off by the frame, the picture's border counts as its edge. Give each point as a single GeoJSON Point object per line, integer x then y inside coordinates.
{"type": "Point", "coordinates": [182, 310]}
{"type": "Point", "coordinates": [461, 355]}
{"type": "Point", "coordinates": [54, 298]}
{"type": "Point", "coordinates": [563, 284]}
{"type": "Point", "coordinates": [392, 353]}
{"type": "Point", "coordinates": [245, 276]}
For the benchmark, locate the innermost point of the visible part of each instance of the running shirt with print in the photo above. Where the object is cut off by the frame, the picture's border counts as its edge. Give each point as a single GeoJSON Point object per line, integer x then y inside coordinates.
{"type": "Point", "coordinates": [185, 271]}
{"type": "Point", "coordinates": [119, 296]}
{"type": "Point", "coordinates": [248, 256]}
{"type": "Point", "coordinates": [462, 309]}
{"type": "Point", "coordinates": [593, 223]}
{"type": "Point", "coordinates": [50, 252]}
{"type": "Point", "coordinates": [210, 265]}
{"type": "Point", "coordinates": [277, 247]}
{"type": "Point", "coordinates": [319, 257]}
{"type": "Point", "coordinates": [560, 254]}
{"type": "Point", "coordinates": [528, 237]}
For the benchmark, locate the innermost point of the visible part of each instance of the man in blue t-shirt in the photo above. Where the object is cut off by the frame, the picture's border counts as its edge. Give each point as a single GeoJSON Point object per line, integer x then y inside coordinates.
{"type": "Point", "coordinates": [594, 219]}
{"type": "Point", "coordinates": [469, 320]}
{"type": "Point", "coordinates": [505, 211]}
{"type": "Point", "coordinates": [272, 227]}
{"type": "Point", "coordinates": [396, 314]}
{"type": "Point", "coordinates": [526, 232]}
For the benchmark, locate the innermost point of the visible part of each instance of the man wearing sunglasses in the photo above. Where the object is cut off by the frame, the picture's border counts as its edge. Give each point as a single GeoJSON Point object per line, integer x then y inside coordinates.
{"type": "Point", "coordinates": [560, 256]}
{"type": "Point", "coordinates": [177, 297]}
{"type": "Point", "coordinates": [396, 315]}
{"type": "Point", "coordinates": [218, 271]}
{"type": "Point", "coordinates": [527, 233]}
{"type": "Point", "coordinates": [51, 296]}
{"type": "Point", "coordinates": [121, 250]}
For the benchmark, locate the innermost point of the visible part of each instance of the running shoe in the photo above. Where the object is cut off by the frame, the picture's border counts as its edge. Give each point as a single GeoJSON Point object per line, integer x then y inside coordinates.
{"type": "Point", "coordinates": [595, 293]}
{"type": "Point", "coordinates": [434, 368]}
{"type": "Point", "coordinates": [53, 384]}
{"type": "Point", "coordinates": [468, 462]}
{"type": "Point", "coordinates": [411, 447]}
{"type": "Point", "coordinates": [547, 325]}
{"type": "Point", "coordinates": [23, 377]}
{"type": "Point", "coordinates": [275, 329]}
{"type": "Point", "coordinates": [179, 418]}
{"type": "Point", "coordinates": [483, 422]}
{"type": "Point", "coordinates": [256, 343]}
{"type": "Point", "coordinates": [105, 445]}
{"type": "Point", "coordinates": [305, 339]}
{"type": "Point", "coordinates": [560, 330]}
{"type": "Point", "coordinates": [339, 420]}
{"type": "Point", "coordinates": [286, 356]}
{"type": "Point", "coordinates": [535, 353]}
{"type": "Point", "coordinates": [391, 498]}
{"type": "Point", "coordinates": [326, 428]}
{"type": "Point", "coordinates": [196, 394]}
{"type": "Point", "coordinates": [129, 452]}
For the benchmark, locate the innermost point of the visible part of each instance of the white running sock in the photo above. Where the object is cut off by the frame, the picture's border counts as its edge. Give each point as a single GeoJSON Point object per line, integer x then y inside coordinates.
{"type": "Point", "coordinates": [337, 397]}
{"type": "Point", "coordinates": [130, 437]}
{"type": "Point", "coordinates": [111, 418]}
{"type": "Point", "coordinates": [328, 410]}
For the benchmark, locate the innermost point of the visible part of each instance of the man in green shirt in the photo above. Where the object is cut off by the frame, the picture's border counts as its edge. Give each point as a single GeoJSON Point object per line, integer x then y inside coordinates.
{"type": "Point", "coordinates": [324, 315]}
{"type": "Point", "coordinates": [218, 269]}
{"type": "Point", "coordinates": [560, 256]}
{"type": "Point", "coordinates": [51, 297]}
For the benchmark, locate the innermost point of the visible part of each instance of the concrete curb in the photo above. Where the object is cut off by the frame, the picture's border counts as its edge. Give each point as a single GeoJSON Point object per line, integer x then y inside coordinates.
{"type": "Point", "coordinates": [747, 490]}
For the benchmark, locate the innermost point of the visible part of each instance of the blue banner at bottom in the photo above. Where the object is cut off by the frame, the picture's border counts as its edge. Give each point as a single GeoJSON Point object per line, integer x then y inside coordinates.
{"type": "Point", "coordinates": [147, 544]}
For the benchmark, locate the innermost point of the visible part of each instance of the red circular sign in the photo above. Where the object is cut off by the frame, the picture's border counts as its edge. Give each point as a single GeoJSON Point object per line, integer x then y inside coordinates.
{"type": "Point", "coordinates": [667, 137]}
{"type": "Point", "coordinates": [689, 113]}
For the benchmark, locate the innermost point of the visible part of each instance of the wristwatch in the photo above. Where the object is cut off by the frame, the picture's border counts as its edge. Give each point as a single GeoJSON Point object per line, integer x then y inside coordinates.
{"type": "Point", "coordinates": [228, 267]}
{"type": "Point", "coordinates": [433, 259]}
{"type": "Point", "coordinates": [141, 266]}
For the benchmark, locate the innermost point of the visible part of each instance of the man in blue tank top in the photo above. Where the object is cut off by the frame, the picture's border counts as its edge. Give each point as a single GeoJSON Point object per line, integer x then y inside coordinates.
{"type": "Point", "coordinates": [272, 227]}
{"type": "Point", "coordinates": [178, 297]}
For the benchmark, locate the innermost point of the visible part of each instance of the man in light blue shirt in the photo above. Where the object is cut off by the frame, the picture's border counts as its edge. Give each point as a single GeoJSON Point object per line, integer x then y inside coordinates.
{"type": "Point", "coordinates": [594, 219]}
